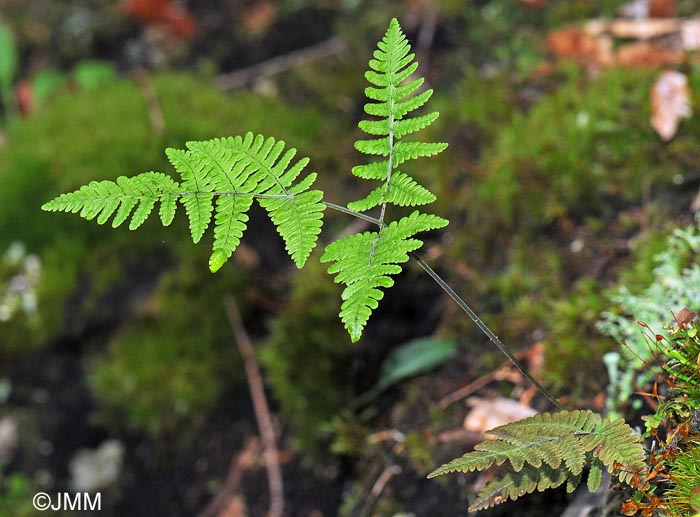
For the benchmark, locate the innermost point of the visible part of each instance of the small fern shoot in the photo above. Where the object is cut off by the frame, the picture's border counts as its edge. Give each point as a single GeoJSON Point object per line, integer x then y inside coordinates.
{"type": "Point", "coordinates": [234, 171]}
{"type": "Point", "coordinates": [220, 179]}
{"type": "Point", "coordinates": [548, 450]}
{"type": "Point", "coordinates": [365, 262]}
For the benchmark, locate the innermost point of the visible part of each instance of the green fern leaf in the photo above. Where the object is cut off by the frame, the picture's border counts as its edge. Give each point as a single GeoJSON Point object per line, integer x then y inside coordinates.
{"type": "Point", "coordinates": [102, 199]}
{"type": "Point", "coordinates": [391, 100]}
{"type": "Point", "coordinates": [298, 220]}
{"type": "Point", "coordinates": [549, 449]}
{"type": "Point", "coordinates": [372, 171]}
{"type": "Point", "coordinates": [233, 170]}
{"type": "Point", "coordinates": [404, 151]}
{"type": "Point", "coordinates": [230, 223]}
{"type": "Point", "coordinates": [613, 441]}
{"type": "Point", "coordinates": [364, 263]}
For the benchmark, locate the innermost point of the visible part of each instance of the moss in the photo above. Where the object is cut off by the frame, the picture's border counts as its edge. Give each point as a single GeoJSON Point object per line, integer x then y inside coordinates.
{"type": "Point", "coordinates": [100, 134]}
{"type": "Point", "coordinates": [308, 358]}
{"type": "Point", "coordinates": [683, 498]}
{"type": "Point", "coordinates": [172, 365]}
{"type": "Point", "coordinates": [574, 347]}
{"type": "Point", "coordinates": [419, 452]}
{"type": "Point", "coordinates": [586, 140]}
{"type": "Point", "coordinates": [15, 495]}
{"type": "Point", "coordinates": [558, 181]}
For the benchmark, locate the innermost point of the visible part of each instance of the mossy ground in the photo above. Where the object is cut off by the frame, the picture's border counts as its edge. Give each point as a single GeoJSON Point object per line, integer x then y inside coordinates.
{"type": "Point", "coordinates": [556, 187]}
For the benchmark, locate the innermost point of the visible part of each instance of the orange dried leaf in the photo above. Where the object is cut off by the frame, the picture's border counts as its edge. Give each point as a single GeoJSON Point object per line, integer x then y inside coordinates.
{"type": "Point", "coordinates": [163, 13]}
{"type": "Point", "coordinates": [259, 17]}
{"type": "Point", "coordinates": [647, 55]}
{"type": "Point", "coordinates": [146, 10]}
{"type": "Point", "coordinates": [180, 23]}
{"type": "Point", "coordinates": [685, 316]}
{"type": "Point", "coordinates": [576, 43]}
{"type": "Point", "coordinates": [663, 8]}
{"type": "Point", "coordinates": [670, 102]}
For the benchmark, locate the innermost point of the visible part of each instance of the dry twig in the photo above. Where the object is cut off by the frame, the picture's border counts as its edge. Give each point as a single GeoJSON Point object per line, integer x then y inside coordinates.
{"type": "Point", "coordinates": [262, 411]}
{"type": "Point", "coordinates": [155, 113]}
{"type": "Point", "coordinates": [241, 462]}
{"type": "Point", "coordinates": [378, 487]}
{"type": "Point", "coordinates": [276, 65]}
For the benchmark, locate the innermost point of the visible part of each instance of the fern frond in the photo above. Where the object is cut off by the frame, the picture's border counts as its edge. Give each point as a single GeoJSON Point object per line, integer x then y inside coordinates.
{"type": "Point", "coordinates": [391, 100]}
{"type": "Point", "coordinates": [364, 263]}
{"type": "Point", "coordinates": [233, 170]}
{"type": "Point", "coordinates": [102, 199]}
{"type": "Point", "coordinates": [547, 449]}
{"type": "Point", "coordinates": [595, 475]}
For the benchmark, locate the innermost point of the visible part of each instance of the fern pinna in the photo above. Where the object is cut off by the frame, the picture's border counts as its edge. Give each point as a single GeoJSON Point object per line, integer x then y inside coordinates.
{"type": "Point", "coordinates": [365, 262]}
{"type": "Point", "coordinates": [222, 177]}
{"type": "Point", "coordinates": [548, 450]}
{"type": "Point", "coordinates": [234, 171]}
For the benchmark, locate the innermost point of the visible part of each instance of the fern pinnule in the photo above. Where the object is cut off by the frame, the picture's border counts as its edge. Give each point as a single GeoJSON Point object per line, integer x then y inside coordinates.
{"type": "Point", "coordinates": [196, 179]}
{"type": "Point", "coordinates": [403, 191]}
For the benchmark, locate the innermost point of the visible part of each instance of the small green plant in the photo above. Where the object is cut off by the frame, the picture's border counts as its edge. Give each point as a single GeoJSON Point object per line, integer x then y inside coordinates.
{"type": "Point", "coordinates": [676, 283]}
{"type": "Point", "coordinates": [669, 484]}
{"type": "Point", "coordinates": [221, 178]}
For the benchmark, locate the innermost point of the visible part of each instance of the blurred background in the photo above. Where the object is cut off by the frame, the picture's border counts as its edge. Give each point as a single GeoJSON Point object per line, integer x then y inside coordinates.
{"type": "Point", "coordinates": [571, 183]}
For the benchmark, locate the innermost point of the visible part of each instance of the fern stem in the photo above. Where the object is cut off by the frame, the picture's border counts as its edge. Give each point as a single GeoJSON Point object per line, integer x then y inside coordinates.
{"type": "Point", "coordinates": [461, 303]}
{"type": "Point", "coordinates": [484, 328]}
{"type": "Point", "coordinates": [359, 215]}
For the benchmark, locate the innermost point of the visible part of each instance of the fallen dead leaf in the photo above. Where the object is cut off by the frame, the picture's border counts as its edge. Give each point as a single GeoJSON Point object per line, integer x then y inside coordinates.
{"type": "Point", "coordinates": [663, 8]}
{"type": "Point", "coordinates": [670, 102]}
{"type": "Point", "coordinates": [489, 413]}
{"type": "Point", "coordinates": [690, 34]}
{"type": "Point", "coordinates": [259, 17]}
{"type": "Point", "coordinates": [236, 507]}
{"type": "Point", "coordinates": [576, 43]}
{"type": "Point", "coordinates": [164, 14]}
{"type": "Point", "coordinates": [643, 29]}
{"type": "Point", "coordinates": [685, 316]}
{"type": "Point", "coordinates": [646, 55]}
